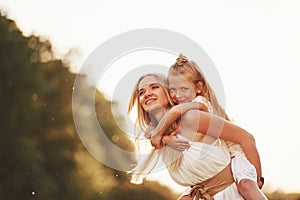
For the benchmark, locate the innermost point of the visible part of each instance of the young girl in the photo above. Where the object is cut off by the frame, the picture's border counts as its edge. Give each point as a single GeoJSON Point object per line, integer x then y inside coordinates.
{"type": "Point", "coordinates": [188, 84]}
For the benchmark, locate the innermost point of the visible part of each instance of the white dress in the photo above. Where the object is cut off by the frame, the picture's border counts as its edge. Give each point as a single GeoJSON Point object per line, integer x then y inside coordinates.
{"type": "Point", "coordinates": [200, 162]}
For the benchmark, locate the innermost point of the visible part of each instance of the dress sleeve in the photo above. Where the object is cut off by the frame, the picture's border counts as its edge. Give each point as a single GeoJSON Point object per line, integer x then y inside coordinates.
{"type": "Point", "coordinates": [203, 100]}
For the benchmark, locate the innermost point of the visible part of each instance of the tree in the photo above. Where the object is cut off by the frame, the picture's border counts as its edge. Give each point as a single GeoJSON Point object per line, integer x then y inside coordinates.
{"type": "Point", "coordinates": [41, 154]}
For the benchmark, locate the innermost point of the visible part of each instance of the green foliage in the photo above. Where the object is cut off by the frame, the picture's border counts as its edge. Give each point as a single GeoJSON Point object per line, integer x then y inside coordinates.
{"type": "Point", "coordinates": [41, 154]}
{"type": "Point", "coordinates": [37, 131]}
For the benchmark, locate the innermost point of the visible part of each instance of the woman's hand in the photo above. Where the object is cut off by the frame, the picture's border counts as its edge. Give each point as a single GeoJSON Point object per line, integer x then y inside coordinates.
{"type": "Point", "coordinates": [260, 182]}
{"type": "Point", "coordinates": [174, 142]}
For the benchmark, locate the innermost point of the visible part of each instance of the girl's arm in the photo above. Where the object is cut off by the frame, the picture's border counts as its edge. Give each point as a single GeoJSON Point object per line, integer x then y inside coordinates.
{"type": "Point", "coordinates": [170, 117]}
{"type": "Point", "coordinates": [216, 126]}
{"type": "Point", "coordinates": [148, 131]}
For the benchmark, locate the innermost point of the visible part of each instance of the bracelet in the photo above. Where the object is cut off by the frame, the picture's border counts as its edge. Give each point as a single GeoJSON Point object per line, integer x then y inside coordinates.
{"type": "Point", "coordinates": [261, 179]}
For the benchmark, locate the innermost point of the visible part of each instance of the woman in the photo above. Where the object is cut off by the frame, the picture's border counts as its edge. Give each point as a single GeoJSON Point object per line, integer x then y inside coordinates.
{"type": "Point", "coordinates": [209, 173]}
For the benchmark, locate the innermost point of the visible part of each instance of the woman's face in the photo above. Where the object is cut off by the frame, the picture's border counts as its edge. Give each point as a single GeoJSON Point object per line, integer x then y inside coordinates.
{"type": "Point", "coordinates": [151, 94]}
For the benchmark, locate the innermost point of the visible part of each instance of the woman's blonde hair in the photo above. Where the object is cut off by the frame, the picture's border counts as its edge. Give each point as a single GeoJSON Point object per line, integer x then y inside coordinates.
{"type": "Point", "coordinates": [143, 118]}
{"type": "Point", "coordinates": [190, 70]}
{"type": "Point", "coordinates": [142, 124]}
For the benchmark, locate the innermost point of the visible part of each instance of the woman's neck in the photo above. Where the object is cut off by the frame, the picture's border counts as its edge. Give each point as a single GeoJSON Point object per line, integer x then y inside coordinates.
{"type": "Point", "coordinates": [157, 114]}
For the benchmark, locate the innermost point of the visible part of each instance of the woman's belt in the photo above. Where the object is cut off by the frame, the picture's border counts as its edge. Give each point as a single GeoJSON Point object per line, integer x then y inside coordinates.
{"type": "Point", "coordinates": [208, 188]}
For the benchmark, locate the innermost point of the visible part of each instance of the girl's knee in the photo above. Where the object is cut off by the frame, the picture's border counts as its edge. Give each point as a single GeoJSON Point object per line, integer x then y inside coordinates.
{"type": "Point", "coordinates": [247, 185]}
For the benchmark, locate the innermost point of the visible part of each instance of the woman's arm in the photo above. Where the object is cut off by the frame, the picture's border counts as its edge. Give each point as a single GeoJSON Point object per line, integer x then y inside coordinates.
{"type": "Point", "coordinates": [170, 117]}
{"type": "Point", "coordinates": [216, 126]}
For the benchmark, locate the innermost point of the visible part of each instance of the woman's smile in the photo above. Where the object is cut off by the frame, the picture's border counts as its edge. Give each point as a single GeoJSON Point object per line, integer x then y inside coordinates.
{"type": "Point", "coordinates": [150, 100]}
{"type": "Point", "coordinates": [151, 94]}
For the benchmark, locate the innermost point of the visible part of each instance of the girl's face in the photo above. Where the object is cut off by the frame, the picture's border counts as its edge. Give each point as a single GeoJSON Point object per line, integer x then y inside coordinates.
{"type": "Point", "coordinates": [151, 94]}
{"type": "Point", "coordinates": [181, 89]}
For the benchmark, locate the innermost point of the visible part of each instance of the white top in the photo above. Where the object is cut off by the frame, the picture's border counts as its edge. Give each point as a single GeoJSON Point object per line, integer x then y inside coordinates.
{"type": "Point", "coordinates": [200, 162]}
{"type": "Point", "coordinates": [203, 100]}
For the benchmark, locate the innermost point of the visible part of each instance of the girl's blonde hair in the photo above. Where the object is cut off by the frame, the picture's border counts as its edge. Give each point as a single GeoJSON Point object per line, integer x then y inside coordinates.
{"type": "Point", "coordinates": [191, 71]}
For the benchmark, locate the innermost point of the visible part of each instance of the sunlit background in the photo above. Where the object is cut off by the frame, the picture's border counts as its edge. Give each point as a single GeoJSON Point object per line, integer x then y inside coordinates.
{"type": "Point", "coordinates": [255, 46]}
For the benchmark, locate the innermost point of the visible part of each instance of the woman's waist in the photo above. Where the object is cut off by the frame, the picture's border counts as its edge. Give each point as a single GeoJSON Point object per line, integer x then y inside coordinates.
{"type": "Point", "coordinates": [192, 173]}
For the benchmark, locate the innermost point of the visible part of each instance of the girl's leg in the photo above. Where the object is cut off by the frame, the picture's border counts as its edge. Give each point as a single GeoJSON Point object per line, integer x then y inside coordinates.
{"type": "Point", "coordinates": [250, 191]}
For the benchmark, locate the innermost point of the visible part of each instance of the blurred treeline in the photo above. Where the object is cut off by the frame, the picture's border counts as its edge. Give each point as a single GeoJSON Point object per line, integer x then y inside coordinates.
{"type": "Point", "coordinates": [41, 154]}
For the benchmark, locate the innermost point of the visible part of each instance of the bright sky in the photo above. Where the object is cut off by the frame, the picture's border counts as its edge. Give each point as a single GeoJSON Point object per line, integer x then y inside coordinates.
{"type": "Point", "coordinates": [255, 46]}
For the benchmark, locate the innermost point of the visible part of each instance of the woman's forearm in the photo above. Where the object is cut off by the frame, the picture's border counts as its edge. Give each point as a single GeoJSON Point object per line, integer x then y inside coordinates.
{"type": "Point", "coordinates": [220, 128]}
{"type": "Point", "coordinates": [236, 134]}
{"type": "Point", "coordinates": [252, 155]}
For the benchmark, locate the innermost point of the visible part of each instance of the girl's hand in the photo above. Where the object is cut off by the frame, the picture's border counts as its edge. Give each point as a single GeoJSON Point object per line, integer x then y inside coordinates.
{"type": "Point", "coordinates": [156, 141]}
